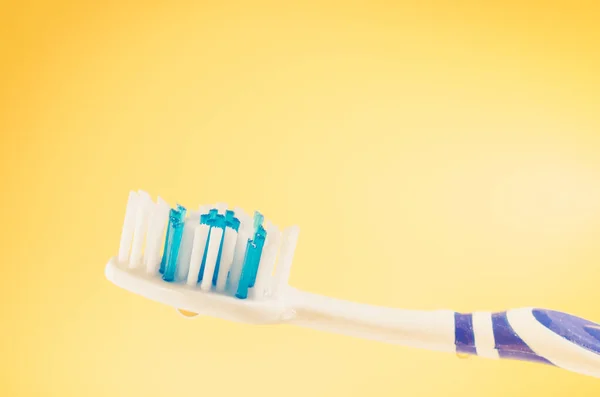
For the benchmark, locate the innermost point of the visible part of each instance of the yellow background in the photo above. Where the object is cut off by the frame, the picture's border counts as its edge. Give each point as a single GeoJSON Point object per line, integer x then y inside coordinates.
{"type": "Point", "coordinates": [434, 154]}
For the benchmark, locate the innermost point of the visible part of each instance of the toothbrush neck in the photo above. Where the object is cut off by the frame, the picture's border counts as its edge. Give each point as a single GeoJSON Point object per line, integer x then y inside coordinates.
{"type": "Point", "coordinates": [432, 330]}
{"type": "Point", "coordinates": [525, 334]}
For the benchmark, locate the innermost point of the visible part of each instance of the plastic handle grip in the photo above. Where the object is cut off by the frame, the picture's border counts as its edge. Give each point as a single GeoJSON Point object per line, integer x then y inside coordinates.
{"type": "Point", "coordinates": [537, 335]}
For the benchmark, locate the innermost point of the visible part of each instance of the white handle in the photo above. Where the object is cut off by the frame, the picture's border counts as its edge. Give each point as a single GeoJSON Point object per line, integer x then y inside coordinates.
{"type": "Point", "coordinates": [526, 334]}
{"type": "Point", "coordinates": [432, 330]}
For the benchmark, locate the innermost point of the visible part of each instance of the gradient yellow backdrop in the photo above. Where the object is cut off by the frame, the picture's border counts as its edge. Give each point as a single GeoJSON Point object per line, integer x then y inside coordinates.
{"type": "Point", "coordinates": [434, 154]}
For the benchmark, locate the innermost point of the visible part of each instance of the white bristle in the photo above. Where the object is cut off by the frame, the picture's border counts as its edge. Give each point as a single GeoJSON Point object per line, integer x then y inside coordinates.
{"type": "Point", "coordinates": [284, 266]}
{"type": "Point", "coordinates": [185, 249]}
{"type": "Point", "coordinates": [273, 232]}
{"type": "Point", "coordinates": [239, 212]}
{"type": "Point", "coordinates": [204, 209]}
{"type": "Point", "coordinates": [268, 225]}
{"type": "Point", "coordinates": [128, 227]}
{"type": "Point", "coordinates": [249, 223]}
{"type": "Point", "coordinates": [211, 258]}
{"type": "Point", "coordinates": [144, 209]}
{"type": "Point", "coordinates": [198, 247]}
{"type": "Point", "coordinates": [245, 221]}
{"type": "Point", "coordinates": [267, 263]}
{"type": "Point", "coordinates": [238, 258]}
{"type": "Point", "coordinates": [221, 207]}
{"type": "Point", "coordinates": [226, 258]}
{"type": "Point", "coordinates": [156, 229]}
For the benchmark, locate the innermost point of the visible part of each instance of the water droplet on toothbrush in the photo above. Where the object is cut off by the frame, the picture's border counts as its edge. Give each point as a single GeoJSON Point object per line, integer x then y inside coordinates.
{"type": "Point", "coordinates": [186, 313]}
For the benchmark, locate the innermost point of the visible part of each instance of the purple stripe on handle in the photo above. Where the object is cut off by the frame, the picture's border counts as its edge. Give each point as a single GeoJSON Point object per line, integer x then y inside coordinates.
{"type": "Point", "coordinates": [576, 330]}
{"type": "Point", "coordinates": [509, 344]}
{"type": "Point", "coordinates": [594, 331]}
{"type": "Point", "coordinates": [464, 336]}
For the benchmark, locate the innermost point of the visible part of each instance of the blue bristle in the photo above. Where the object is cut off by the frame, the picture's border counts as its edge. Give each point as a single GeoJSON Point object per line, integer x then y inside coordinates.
{"type": "Point", "coordinates": [259, 242]}
{"type": "Point", "coordinates": [204, 256]}
{"type": "Point", "coordinates": [252, 258]}
{"type": "Point", "coordinates": [231, 221]}
{"type": "Point", "coordinates": [220, 223]}
{"type": "Point", "coordinates": [163, 261]}
{"type": "Point", "coordinates": [173, 242]}
{"type": "Point", "coordinates": [214, 219]}
{"type": "Point", "coordinates": [254, 248]}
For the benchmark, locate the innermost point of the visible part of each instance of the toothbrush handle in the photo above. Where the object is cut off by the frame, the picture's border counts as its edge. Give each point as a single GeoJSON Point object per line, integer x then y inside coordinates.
{"type": "Point", "coordinates": [527, 334]}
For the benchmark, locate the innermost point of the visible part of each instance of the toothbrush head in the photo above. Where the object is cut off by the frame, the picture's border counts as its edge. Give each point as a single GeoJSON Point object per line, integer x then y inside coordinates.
{"type": "Point", "coordinates": [215, 261]}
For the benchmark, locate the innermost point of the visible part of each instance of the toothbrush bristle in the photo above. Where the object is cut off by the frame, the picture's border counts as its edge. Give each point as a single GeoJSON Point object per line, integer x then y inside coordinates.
{"type": "Point", "coordinates": [214, 249]}
{"type": "Point", "coordinates": [229, 240]}
{"type": "Point", "coordinates": [284, 266]}
{"type": "Point", "coordinates": [185, 250]}
{"type": "Point", "coordinates": [144, 209]}
{"type": "Point", "coordinates": [199, 245]}
{"type": "Point", "coordinates": [211, 258]}
{"type": "Point", "coordinates": [128, 227]}
{"type": "Point", "coordinates": [154, 235]}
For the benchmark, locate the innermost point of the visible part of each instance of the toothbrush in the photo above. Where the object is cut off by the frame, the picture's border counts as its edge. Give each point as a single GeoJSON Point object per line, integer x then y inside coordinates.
{"type": "Point", "coordinates": [224, 263]}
